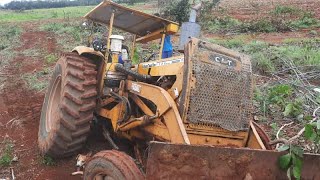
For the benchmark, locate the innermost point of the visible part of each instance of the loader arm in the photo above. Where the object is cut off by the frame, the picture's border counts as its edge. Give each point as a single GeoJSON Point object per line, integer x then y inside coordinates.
{"type": "Point", "coordinates": [171, 129]}
{"type": "Point", "coordinates": [166, 108]}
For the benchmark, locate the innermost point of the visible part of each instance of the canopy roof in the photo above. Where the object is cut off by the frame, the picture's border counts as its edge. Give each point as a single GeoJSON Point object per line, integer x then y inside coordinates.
{"type": "Point", "coordinates": [127, 19]}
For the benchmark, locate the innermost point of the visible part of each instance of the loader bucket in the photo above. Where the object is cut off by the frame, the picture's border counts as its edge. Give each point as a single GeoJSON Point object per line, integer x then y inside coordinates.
{"type": "Point", "coordinates": [178, 161]}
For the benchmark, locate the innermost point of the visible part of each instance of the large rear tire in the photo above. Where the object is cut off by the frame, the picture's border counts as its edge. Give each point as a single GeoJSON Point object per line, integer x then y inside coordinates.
{"type": "Point", "coordinates": [112, 164]}
{"type": "Point", "coordinates": [68, 106]}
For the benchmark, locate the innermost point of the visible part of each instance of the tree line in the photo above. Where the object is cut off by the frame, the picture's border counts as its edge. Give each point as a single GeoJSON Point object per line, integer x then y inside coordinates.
{"type": "Point", "coordinates": [40, 4]}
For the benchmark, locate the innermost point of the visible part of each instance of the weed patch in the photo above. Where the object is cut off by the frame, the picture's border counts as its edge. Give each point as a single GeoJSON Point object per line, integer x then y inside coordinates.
{"type": "Point", "coordinates": [69, 34]}
{"type": "Point", "coordinates": [9, 36]}
{"type": "Point", "coordinates": [280, 10]}
{"type": "Point", "coordinates": [261, 25]}
{"type": "Point", "coordinates": [306, 21]}
{"type": "Point", "coordinates": [47, 160]}
{"type": "Point", "coordinates": [279, 98]}
{"type": "Point", "coordinates": [35, 81]}
{"type": "Point", "coordinates": [50, 58]}
{"type": "Point", "coordinates": [280, 19]}
{"type": "Point", "coordinates": [7, 154]}
{"type": "Point", "coordinates": [267, 59]}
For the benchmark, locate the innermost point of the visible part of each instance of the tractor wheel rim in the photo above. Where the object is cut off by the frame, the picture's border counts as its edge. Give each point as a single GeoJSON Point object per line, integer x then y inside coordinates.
{"type": "Point", "coordinates": [53, 104]}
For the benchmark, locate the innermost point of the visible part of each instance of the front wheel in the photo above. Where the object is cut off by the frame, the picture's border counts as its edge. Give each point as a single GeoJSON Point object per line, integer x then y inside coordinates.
{"type": "Point", "coordinates": [112, 164]}
{"type": "Point", "coordinates": [68, 106]}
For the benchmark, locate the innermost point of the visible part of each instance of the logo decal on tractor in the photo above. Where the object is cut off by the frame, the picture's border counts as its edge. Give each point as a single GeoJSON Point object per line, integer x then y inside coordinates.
{"type": "Point", "coordinates": [162, 63]}
{"type": "Point", "coordinates": [223, 60]}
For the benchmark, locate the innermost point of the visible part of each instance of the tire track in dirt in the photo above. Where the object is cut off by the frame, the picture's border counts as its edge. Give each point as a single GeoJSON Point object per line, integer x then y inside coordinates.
{"type": "Point", "coordinates": [20, 108]}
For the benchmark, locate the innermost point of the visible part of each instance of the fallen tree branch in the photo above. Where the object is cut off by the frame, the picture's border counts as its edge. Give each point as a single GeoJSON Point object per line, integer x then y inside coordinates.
{"type": "Point", "coordinates": [278, 141]}
{"type": "Point", "coordinates": [277, 135]}
{"type": "Point", "coordinates": [303, 129]}
{"type": "Point", "coordinates": [282, 140]}
{"type": "Point", "coordinates": [288, 141]}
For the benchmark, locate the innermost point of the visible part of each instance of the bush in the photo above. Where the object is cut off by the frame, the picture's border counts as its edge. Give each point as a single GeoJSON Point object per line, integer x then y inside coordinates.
{"type": "Point", "coordinates": [279, 10]}
{"type": "Point", "coordinates": [206, 11]}
{"type": "Point", "coordinates": [218, 23]}
{"type": "Point", "coordinates": [306, 21]}
{"type": "Point", "coordinates": [262, 25]}
{"type": "Point", "coordinates": [177, 11]}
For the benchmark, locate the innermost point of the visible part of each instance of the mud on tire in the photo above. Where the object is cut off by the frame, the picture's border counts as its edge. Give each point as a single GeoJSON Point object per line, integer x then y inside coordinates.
{"type": "Point", "coordinates": [112, 164]}
{"type": "Point", "coordinates": [68, 106]}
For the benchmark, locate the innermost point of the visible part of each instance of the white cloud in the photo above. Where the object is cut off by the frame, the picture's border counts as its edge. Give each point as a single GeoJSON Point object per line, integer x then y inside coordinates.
{"type": "Point", "coordinates": [2, 2]}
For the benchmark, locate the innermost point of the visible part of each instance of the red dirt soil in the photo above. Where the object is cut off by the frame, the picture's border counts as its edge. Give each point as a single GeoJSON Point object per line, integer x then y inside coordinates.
{"type": "Point", "coordinates": [20, 111]}
{"type": "Point", "coordinates": [251, 9]}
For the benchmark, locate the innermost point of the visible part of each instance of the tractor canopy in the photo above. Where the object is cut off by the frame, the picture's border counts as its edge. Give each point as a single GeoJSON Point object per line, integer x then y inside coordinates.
{"type": "Point", "coordinates": [147, 27]}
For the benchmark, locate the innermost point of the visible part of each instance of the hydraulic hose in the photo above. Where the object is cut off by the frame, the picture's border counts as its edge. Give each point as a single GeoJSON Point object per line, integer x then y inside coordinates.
{"type": "Point", "coordinates": [140, 77]}
{"type": "Point", "coordinates": [128, 107]}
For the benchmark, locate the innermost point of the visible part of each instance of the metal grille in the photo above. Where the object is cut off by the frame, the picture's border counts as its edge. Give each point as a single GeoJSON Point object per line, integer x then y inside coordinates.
{"type": "Point", "coordinates": [221, 97]}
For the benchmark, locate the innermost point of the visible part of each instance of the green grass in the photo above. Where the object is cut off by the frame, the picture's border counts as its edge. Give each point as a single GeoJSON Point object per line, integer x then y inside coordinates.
{"type": "Point", "coordinates": [32, 52]}
{"type": "Point", "coordinates": [9, 35]}
{"type": "Point", "coordinates": [68, 34]}
{"type": "Point", "coordinates": [37, 14]}
{"type": "Point", "coordinates": [6, 56]}
{"type": "Point", "coordinates": [230, 43]}
{"type": "Point", "coordinates": [34, 82]}
{"type": "Point", "coordinates": [54, 13]}
{"type": "Point", "coordinates": [9, 39]}
{"type": "Point", "coordinates": [73, 29]}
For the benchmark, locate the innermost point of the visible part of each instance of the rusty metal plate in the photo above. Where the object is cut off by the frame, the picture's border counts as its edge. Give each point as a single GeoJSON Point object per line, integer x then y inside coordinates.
{"type": "Point", "coordinates": [222, 95]}
{"type": "Point", "coordinates": [173, 161]}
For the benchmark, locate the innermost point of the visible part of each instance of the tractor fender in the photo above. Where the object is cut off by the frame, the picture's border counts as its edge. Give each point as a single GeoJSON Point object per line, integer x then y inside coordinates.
{"type": "Point", "coordinates": [82, 50]}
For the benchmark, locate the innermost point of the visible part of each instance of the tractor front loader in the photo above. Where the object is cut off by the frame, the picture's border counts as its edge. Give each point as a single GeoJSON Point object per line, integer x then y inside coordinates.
{"type": "Point", "coordinates": [187, 116]}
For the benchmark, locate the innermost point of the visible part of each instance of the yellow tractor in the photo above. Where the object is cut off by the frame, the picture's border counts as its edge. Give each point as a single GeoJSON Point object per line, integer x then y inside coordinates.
{"type": "Point", "coordinates": [187, 116]}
